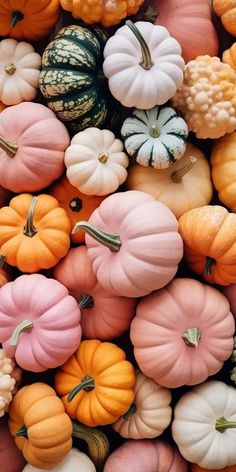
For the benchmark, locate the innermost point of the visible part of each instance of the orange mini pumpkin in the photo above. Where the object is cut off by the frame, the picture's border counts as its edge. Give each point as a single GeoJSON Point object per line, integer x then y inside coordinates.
{"type": "Point", "coordinates": [223, 161]}
{"type": "Point", "coordinates": [229, 56]}
{"type": "Point", "coordinates": [226, 10]}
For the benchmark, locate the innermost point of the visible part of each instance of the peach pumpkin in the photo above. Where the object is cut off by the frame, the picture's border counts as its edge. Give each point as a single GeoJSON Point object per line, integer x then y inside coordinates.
{"type": "Point", "coordinates": [11, 459]}
{"type": "Point", "coordinates": [226, 10]}
{"type": "Point", "coordinates": [197, 468]}
{"type": "Point", "coordinates": [223, 161]}
{"type": "Point", "coordinates": [229, 56]}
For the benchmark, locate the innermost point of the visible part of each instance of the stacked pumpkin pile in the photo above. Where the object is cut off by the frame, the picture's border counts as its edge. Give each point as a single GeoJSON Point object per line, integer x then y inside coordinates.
{"type": "Point", "coordinates": [106, 187]}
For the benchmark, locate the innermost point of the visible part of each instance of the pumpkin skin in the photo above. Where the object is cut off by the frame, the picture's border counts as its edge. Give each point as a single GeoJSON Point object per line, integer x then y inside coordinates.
{"type": "Point", "coordinates": [229, 56]}
{"type": "Point", "coordinates": [211, 250]}
{"type": "Point", "coordinates": [28, 20]}
{"type": "Point", "coordinates": [225, 9]}
{"type": "Point", "coordinates": [197, 468]}
{"type": "Point", "coordinates": [74, 460]}
{"type": "Point", "coordinates": [230, 293]}
{"type": "Point", "coordinates": [103, 316]}
{"type": "Point", "coordinates": [146, 255]}
{"type": "Point", "coordinates": [34, 232]}
{"type": "Point", "coordinates": [223, 161]}
{"type": "Point", "coordinates": [4, 276]}
{"type": "Point", "coordinates": [38, 408]}
{"type": "Point", "coordinates": [32, 149]}
{"type": "Point", "coordinates": [51, 332]}
{"type": "Point", "coordinates": [113, 380]}
{"type": "Point", "coordinates": [11, 458]}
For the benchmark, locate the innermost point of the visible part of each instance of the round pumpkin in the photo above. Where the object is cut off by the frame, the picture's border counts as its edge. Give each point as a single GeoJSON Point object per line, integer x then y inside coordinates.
{"type": "Point", "coordinates": [209, 236]}
{"type": "Point", "coordinates": [226, 10]}
{"type": "Point", "coordinates": [229, 56]}
{"type": "Point", "coordinates": [96, 384]}
{"type": "Point", "coordinates": [11, 458]}
{"type": "Point", "coordinates": [35, 414]}
{"type": "Point", "coordinates": [74, 460]}
{"type": "Point", "coordinates": [230, 293]}
{"type": "Point", "coordinates": [223, 161]}
{"type": "Point", "coordinates": [197, 468]}
{"type": "Point", "coordinates": [103, 315]}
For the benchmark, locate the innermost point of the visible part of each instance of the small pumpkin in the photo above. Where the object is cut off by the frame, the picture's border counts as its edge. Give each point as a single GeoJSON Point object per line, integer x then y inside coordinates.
{"type": "Point", "coordinates": [10, 377]}
{"type": "Point", "coordinates": [74, 460]}
{"type": "Point", "coordinates": [11, 458]}
{"type": "Point", "coordinates": [223, 161]}
{"type": "Point", "coordinates": [229, 56]}
{"type": "Point", "coordinates": [143, 64]}
{"type": "Point", "coordinates": [96, 384]}
{"type": "Point", "coordinates": [137, 247]}
{"type": "Point", "coordinates": [197, 468]}
{"type": "Point", "coordinates": [155, 137]}
{"type": "Point", "coordinates": [209, 236]}
{"type": "Point", "coordinates": [40, 322]}
{"type": "Point", "coordinates": [230, 293]}
{"type": "Point", "coordinates": [28, 20]}
{"type": "Point", "coordinates": [34, 232]}
{"type": "Point", "coordinates": [226, 10]}
{"type": "Point", "coordinates": [103, 315]}
{"type": "Point", "coordinates": [149, 414]}
{"type": "Point", "coordinates": [95, 161]}
{"type": "Point", "coordinates": [204, 426]}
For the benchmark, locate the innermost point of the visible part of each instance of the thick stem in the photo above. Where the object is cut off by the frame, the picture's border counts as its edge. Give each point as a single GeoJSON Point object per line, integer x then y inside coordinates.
{"type": "Point", "coordinates": [222, 424]}
{"type": "Point", "coordinates": [16, 17]}
{"type": "Point", "coordinates": [192, 337]}
{"type": "Point", "coordinates": [146, 59]}
{"type": "Point", "coordinates": [24, 326]}
{"type": "Point", "coordinates": [10, 68]}
{"type": "Point", "coordinates": [177, 175]}
{"type": "Point", "coordinates": [2, 260]}
{"type": "Point", "coordinates": [210, 261]}
{"type": "Point", "coordinates": [29, 228]}
{"type": "Point", "coordinates": [76, 204]}
{"type": "Point", "coordinates": [103, 158]}
{"type": "Point", "coordinates": [130, 412]}
{"type": "Point", "coordinates": [98, 445]}
{"type": "Point", "coordinates": [110, 240]}
{"type": "Point", "coordinates": [154, 131]}
{"type": "Point", "coordinates": [86, 301]}
{"type": "Point", "coordinates": [10, 148]}
{"type": "Point", "coordinates": [151, 14]}
{"type": "Point", "coordinates": [22, 432]}
{"type": "Point", "coordinates": [87, 384]}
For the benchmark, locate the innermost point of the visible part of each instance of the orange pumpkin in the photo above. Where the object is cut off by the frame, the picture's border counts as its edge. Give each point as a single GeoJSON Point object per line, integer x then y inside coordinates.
{"type": "Point", "coordinates": [209, 236]}
{"type": "Point", "coordinates": [78, 206]}
{"type": "Point", "coordinates": [223, 161]}
{"type": "Point", "coordinates": [229, 56]}
{"type": "Point", "coordinates": [226, 10]}
{"type": "Point", "coordinates": [197, 468]}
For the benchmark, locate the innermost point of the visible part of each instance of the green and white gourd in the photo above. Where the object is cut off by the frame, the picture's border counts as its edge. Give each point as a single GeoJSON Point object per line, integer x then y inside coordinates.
{"type": "Point", "coordinates": [155, 137]}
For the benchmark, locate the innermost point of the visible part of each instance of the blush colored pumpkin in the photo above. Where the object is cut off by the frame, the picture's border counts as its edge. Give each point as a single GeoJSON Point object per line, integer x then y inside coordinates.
{"type": "Point", "coordinates": [11, 458]}
{"type": "Point", "coordinates": [103, 315]}
{"type": "Point", "coordinates": [229, 56]}
{"type": "Point", "coordinates": [40, 322]}
{"type": "Point", "coordinates": [74, 461]}
{"type": "Point", "coordinates": [230, 293]}
{"type": "Point", "coordinates": [226, 10]}
{"type": "Point", "coordinates": [197, 468]}
{"type": "Point", "coordinates": [223, 161]}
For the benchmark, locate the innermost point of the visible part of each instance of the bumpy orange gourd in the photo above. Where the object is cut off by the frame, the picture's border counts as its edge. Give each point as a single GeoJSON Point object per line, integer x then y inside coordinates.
{"type": "Point", "coordinates": [226, 10]}
{"type": "Point", "coordinates": [229, 56]}
{"type": "Point", "coordinates": [96, 383]}
{"type": "Point", "coordinates": [223, 161]}
{"type": "Point", "coordinates": [197, 468]}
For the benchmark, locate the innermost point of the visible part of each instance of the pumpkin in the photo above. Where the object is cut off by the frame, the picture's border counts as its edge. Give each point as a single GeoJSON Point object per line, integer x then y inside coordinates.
{"type": "Point", "coordinates": [108, 13]}
{"type": "Point", "coordinates": [228, 56]}
{"type": "Point", "coordinates": [175, 340]}
{"type": "Point", "coordinates": [32, 145]}
{"type": "Point", "coordinates": [30, 20]}
{"type": "Point", "coordinates": [209, 236]}
{"type": "Point", "coordinates": [10, 377]}
{"type": "Point", "coordinates": [71, 79]}
{"type": "Point", "coordinates": [197, 468]}
{"type": "Point", "coordinates": [137, 247]}
{"type": "Point", "coordinates": [230, 293]}
{"type": "Point", "coordinates": [150, 413]}
{"type": "Point", "coordinates": [95, 161]}
{"type": "Point", "coordinates": [181, 187]}
{"type": "Point", "coordinates": [155, 137]}
{"type": "Point", "coordinates": [223, 161]}
{"type": "Point", "coordinates": [103, 315]}
{"type": "Point", "coordinates": [77, 205]}
{"type": "Point", "coordinates": [204, 426]}
{"type": "Point", "coordinates": [34, 416]}
{"type": "Point", "coordinates": [2, 107]}
{"type": "Point", "coordinates": [96, 384]}
{"type": "Point", "coordinates": [74, 460]}
{"type": "Point", "coordinates": [11, 458]}
{"type": "Point", "coordinates": [4, 276]}
{"type": "Point", "coordinates": [146, 455]}
{"type": "Point", "coordinates": [40, 322]}
{"type": "Point", "coordinates": [226, 10]}
{"type": "Point", "coordinates": [20, 66]}
{"type": "Point", "coordinates": [143, 65]}
{"type": "Point", "coordinates": [34, 232]}
{"type": "Point", "coordinates": [207, 97]}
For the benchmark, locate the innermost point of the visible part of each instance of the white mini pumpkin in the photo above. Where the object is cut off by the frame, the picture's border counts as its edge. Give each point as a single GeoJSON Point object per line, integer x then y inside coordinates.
{"type": "Point", "coordinates": [19, 72]}
{"type": "Point", "coordinates": [75, 461]}
{"type": "Point", "coordinates": [96, 163]}
{"type": "Point", "coordinates": [143, 64]}
{"type": "Point", "coordinates": [155, 137]}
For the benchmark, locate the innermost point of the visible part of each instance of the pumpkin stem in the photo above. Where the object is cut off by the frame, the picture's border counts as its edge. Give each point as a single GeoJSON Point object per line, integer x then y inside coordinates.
{"type": "Point", "coordinates": [222, 424]}
{"type": "Point", "coordinates": [154, 131]}
{"type": "Point", "coordinates": [87, 384]}
{"type": "Point", "coordinates": [192, 337]}
{"type": "Point", "coordinates": [210, 261]}
{"type": "Point", "coordinates": [16, 17]}
{"type": "Point", "coordinates": [98, 445]}
{"type": "Point", "coordinates": [22, 432]}
{"type": "Point", "coordinates": [2, 260]}
{"type": "Point", "coordinates": [10, 68]}
{"type": "Point", "coordinates": [146, 59]}
{"type": "Point", "coordinates": [76, 204]}
{"type": "Point", "coordinates": [24, 326]}
{"type": "Point", "coordinates": [10, 148]}
{"type": "Point", "coordinates": [110, 240]}
{"type": "Point", "coordinates": [132, 409]}
{"type": "Point", "coordinates": [29, 228]}
{"type": "Point", "coordinates": [151, 14]}
{"type": "Point", "coordinates": [177, 175]}
{"type": "Point", "coordinates": [86, 301]}
{"type": "Point", "coordinates": [103, 157]}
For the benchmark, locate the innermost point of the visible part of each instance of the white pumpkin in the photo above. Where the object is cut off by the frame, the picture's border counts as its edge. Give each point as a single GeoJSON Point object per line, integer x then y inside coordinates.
{"type": "Point", "coordinates": [143, 64]}
{"type": "Point", "coordinates": [204, 426]}
{"type": "Point", "coordinates": [155, 137]}
{"type": "Point", "coordinates": [96, 163]}
{"type": "Point", "coordinates": [150, 413]}
{"type": "Point", "coordinates": [19, 72]}
{"type": "Point", "coordinates": [75, 461]}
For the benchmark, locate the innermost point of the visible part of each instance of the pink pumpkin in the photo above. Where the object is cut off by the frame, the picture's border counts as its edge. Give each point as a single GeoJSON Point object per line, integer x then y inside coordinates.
{"type": "Point", "coordinates": [103, 315]}
{"type": "Point", "coordinates": [230, 293]}
{"type": "Point", "coordinates": [32, 146]}
{"type": "Point", "coordinates": [183, 333]}
{"type": "Point", "coordinates": [146, 456]}
{"type": "Point", "coordinates": [133, 244]}
{"type": "Point", "coordinates": [40, 322]}
{"type": "Point", "coordinates": [11, 459]}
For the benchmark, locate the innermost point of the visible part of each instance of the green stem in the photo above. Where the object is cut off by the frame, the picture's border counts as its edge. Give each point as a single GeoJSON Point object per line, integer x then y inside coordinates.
{"type": "Point", "coordinates": [86, 301]}
{"type": "Point", "coordinates": [24, 326]}
{"type": "Point", "coordinates": [210, 261]}
{"type": "Point", "coordinates": [29, 228]}
{"type": "Point", "coordinates": [98, 445]}
{"type": "Point", "coordinates": [16, 17]}
{"type": "Point", "coordinates": [146, 59]}
{"type": "Point", "coordinates": [192, 337]}
{"type": "Point", "coordinates": [177, 175]}
{"type": "Point", "coordinates": [154, 132]}
{"type": "Point", "coordinates": [10, 148]}
{"type": "Point", "coordinates": [87, 384]}
{"type": "Point", "coordinates": [22, 432]}
{"type": "Point", "coordinates": [222, 424]}
{"type": "Point", "coordinates": [110, 240]}
{"type": "Point", "coordinates": [130, 412]}
{"type": "Point", "coordinates": [103, 157]}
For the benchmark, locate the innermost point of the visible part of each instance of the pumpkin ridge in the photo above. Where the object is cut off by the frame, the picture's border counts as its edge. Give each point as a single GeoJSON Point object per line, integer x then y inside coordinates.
{"type": "Point", "coordinates": [175, 115]}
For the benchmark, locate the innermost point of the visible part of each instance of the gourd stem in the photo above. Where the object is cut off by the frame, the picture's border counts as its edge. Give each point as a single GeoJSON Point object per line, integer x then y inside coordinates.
{"type": "Point", "coordinates": [154, 131]}
{"type": "Point", "coordinates": [98, 445]}
{"type": "Point", "coordinates": [177, 175]}
{"type": "Point", "coordinates": [29, 228]}
{"type": "Point", "coordinates": [192, 337]}
{"type": "Point", "coordinates": [110, 240]}
{"type": "Point", "coordinates": [146, 60]}
{"type": "Point", "coordinates": [210, 261]}
{"type": "Point", "coordinates": [86, 301]}
{"type": "Point", "coordinates": [103, 157]}
{"type": "Point", "coordinates": [222, 424]}
{"type": "Point", "coordinates": [130, 412]}
{"type": "Point", "coordinates": [16, 17]}
{"type": "Point", "coordinates": [24, 326]}
{"type": "Point", "coordinates": [2, 260]}
{"type": "Point", "coordinates": [10, 148]}
{"type": "Point", "coordinates": [87, 384]}
{"type": "Point", "coordinates": [22, 432]}
{"type": "Point", "coordinates": [10, 68]}
{"type": "Point", "coordinates": [151, 14]}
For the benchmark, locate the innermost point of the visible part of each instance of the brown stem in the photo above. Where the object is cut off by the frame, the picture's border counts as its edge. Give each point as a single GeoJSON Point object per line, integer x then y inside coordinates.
{"type": "Point", "coordinates": [96, 440]}
{"type": "Point", "coordinates": [151, 14]}
{"type": "Point", "coordinates": [10, 148]}
{"type": "Point", "coordinates": [87, 384]}
{"type": "Point", "coordinates": [29, 228]}
{"type": "Point", "coordinates": [146, 59]}
{"type": "Point", "coordinates": [103, 158]}
{"type": "Point", "coordinates": [177, 175]}
{"type": "Point", "coordinates": [2, 260]}
{"type": "Point", "coordinates": [10, 68]}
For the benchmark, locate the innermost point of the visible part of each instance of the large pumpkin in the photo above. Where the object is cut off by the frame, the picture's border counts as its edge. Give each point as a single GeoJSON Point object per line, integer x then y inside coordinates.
{"type": "Point", "coordinates": [223, 160]}
{"type": "Point", "coordinates": [226, 10]}
{"type": "Point", "coordinates": [11, 458]}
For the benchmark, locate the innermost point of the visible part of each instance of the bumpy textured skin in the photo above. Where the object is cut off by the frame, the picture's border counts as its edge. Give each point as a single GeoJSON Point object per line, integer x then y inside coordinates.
{"type": "Point", "coordinates": [223, 161]}
{"type": "Point", "coordinates": [207, 97]}
{"type": "Point", "coordinates": [226, 10]}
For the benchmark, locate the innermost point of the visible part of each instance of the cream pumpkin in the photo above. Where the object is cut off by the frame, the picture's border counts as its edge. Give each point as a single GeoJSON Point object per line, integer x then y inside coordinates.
{"type": "Point", "coordinates": [74, 461]}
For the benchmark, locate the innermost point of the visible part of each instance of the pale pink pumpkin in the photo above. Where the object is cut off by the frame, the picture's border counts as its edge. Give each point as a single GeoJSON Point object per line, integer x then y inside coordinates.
{"type": "Point", "coordinates": [40, 322]}
{"type": "Point", "coordinates": [11, 459]}
{"type": "Point", "coordinates": [183, 333]}
{"type": "Point", "coordinates": [103, 315]}
{"type": "Point", "coordinates": [32, 146]}
{"type": "Point", "coordinates": [230, 293]}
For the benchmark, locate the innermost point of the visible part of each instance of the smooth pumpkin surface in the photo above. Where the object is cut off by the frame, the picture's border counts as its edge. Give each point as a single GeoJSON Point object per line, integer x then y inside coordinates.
{"type": "Point", "coordinates": [197, 468]}
{"type": "Point", "coordinates": [223, 161]}
{"type": "Point", "coordinates": [74, 461]}
{"type": "Point", "coordinates": [229, 56]}
{"type": "Point", "coordinates": [226, 10]}
{"type": "Point", "coordinates": [11, 458]}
